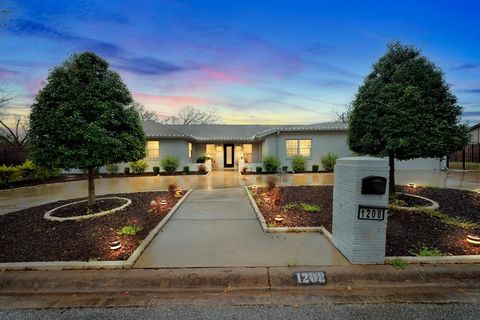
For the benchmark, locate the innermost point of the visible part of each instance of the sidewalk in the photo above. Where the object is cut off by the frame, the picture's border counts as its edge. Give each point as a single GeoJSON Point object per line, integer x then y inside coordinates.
{"type": "Point", "coordinates": [219, 228]}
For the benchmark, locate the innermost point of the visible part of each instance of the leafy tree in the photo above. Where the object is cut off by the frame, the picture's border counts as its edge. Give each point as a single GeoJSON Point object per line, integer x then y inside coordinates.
{"type": "Point", "coordinates": [83, 118]}
{"type": "Point", "coordinates": [405, 110]}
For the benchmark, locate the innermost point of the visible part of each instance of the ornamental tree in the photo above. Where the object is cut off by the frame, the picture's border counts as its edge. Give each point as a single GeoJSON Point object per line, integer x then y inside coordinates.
{"type": "Point", "coordinates": [405, 110]}
{"type": "Point", "coordinates": [83, 118]}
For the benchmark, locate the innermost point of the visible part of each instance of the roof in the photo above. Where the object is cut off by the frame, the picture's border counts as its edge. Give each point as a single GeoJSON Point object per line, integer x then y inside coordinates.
{"type": "Point", "coordinates": [228, 132]}
{"type": "Point", "coordinates": [475, 126]}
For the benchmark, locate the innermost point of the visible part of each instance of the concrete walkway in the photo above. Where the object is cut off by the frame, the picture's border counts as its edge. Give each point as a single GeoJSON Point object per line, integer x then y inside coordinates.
{"type": "Point", "coordinates": [218, 228]}
{"type": "Point", "coordinates": [17, 199]}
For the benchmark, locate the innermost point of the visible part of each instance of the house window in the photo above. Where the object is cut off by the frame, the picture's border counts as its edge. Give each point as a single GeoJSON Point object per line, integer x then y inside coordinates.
{"type": "Point", "coordinates": [248, 153]}
{"type": "Point", "coordinates": [299, 147]}
{"type": "Point", "coordinates": [153, 149]}
{"type": "Point", "coordinates": [292, 148]}
{"type": "Point", "coordinates": [210, 150]}
{"type": "Point", "coordinates": [305, 148]}
{"type": "Point", "coordinates": [190, 150]}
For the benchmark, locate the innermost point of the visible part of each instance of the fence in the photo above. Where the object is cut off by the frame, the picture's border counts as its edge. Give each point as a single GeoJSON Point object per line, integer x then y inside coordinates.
{"type": "Point", "coordinates": [466, 159]}
{"type": "Point", "coordinates": [13, 156]}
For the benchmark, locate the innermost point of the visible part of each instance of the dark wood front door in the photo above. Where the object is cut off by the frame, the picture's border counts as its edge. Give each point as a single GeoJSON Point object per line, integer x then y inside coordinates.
{"type": "Point", "coordinates": [228, 159]}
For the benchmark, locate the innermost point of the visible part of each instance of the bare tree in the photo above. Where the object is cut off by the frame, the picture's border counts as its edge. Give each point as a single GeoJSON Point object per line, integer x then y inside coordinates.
{"type": "Point", "coordinates": [191, 115]}
{"type": "Point", "coordinates": [144, 113]}
{"type": "Point", "coordinates": [343, 116]}
{"type": "Point", "coordinates": [14, 135]}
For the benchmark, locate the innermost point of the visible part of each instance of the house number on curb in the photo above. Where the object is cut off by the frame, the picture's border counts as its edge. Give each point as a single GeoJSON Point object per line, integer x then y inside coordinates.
{"type": "Point", "coordinates": [317, 277]}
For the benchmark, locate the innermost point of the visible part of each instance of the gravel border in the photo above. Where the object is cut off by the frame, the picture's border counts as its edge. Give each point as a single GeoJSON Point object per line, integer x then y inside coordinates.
{"type": "Point", "coordinates": [125, 264]}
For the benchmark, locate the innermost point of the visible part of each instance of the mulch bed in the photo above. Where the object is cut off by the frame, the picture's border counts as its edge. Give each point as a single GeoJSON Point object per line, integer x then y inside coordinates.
{"type": "Point", "coordinates": [407, 232]}
{"type": "Point", "coordinates": [26, 236]}
{"type": "Point", "coordinates": [320, 196]}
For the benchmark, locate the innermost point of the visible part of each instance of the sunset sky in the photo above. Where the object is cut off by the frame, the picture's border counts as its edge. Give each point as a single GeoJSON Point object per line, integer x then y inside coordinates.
{"type": "Point", "coordinates": [255, 61]}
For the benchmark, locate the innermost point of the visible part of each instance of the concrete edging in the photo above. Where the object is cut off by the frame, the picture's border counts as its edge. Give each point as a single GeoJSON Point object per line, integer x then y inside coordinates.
{"type": "Point", "coordinates": [268, 229]}
{"type": "Point", "coordinates": [48, 214]}
{"type": "Point", "coordinates": [434, 205]}
{"type": "Point", "coordinates": [436, 260]}
{"type": "Point", "coordinates": [123, 264]}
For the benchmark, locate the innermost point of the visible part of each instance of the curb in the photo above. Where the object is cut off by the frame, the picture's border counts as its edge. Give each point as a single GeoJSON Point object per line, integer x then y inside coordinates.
{"type": "Point", "coordinates": [268, 229]}
{"type": "Point", "coordinates": [231, 279]}
{"type": "Point", "coordinates": [67, 265]}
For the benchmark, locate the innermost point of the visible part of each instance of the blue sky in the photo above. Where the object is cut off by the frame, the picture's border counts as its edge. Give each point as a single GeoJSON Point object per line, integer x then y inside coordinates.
{"type": "Point", "coordinates": [255, 61]}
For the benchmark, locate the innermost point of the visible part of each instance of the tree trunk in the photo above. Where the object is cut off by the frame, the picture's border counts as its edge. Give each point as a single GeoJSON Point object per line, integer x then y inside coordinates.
{"type": "Point", "coordinates": [391, 181]}
{"type": "Point", "coordinates": [91, 186]}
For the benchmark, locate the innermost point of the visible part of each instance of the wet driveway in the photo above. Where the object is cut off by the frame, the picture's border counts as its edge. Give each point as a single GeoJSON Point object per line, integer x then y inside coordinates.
{"type": "Point", "coordinates": [16, 199]}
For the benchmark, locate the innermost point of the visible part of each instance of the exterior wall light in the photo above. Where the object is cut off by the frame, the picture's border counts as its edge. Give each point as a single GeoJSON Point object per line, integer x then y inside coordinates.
{"type": "Point", "coordinates": [473, 240]}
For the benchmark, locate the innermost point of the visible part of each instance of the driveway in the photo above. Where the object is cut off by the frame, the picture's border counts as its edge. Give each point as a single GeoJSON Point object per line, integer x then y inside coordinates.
{"type": "Point", "coordinates": [16, 199]}
{"type": "Point", "coordinates": [218, 228]}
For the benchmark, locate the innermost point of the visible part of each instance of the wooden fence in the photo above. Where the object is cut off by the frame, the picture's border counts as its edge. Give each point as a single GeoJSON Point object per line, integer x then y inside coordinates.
{"type": "Point", "coordinates": [13, 156]}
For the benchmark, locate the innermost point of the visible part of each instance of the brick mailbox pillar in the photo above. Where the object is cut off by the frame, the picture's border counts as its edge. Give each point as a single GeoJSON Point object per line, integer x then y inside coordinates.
{"type": "Point", "coordinates": [360, 202]}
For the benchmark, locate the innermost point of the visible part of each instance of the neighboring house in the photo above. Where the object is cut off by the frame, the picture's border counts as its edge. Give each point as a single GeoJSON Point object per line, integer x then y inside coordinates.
{"type": "Point", "coordinates": [475, 133]}
{"type": "Point", "coordinates": [227, 144]}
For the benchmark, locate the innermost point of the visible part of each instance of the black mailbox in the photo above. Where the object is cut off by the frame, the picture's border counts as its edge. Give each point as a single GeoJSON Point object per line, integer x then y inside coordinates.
{"type": "Point", "coordinates": [374, 185]}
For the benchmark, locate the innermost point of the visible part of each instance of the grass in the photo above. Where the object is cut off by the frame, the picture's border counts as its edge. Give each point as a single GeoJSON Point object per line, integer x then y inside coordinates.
{"type": "Point", "coordinates": [428, 252]}
{"type": "Point", "coordinates": [290, 205]}
{"type": "Point", "coordinates": [445, 218]}
{"type": "Point", "coordinates": [397, 202]}
{"type": "Point", "coordinates": [292, 264]}
{"type": "Point", "coordinates": [310, 207]}
{"type": "Point", "coordinates": [129, 230]}
{"type": "Point", "coordinates": [398, 263]}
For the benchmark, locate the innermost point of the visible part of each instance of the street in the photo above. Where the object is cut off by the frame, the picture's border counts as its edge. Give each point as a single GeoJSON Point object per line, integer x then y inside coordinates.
{"type": "Point", "coordinates": [278, 312]}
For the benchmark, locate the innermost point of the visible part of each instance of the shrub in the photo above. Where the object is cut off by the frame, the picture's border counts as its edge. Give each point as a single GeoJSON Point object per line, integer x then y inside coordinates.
{"type": "Point", "coordinates": [129, 230]}
{"type": "Point", "coordinates": [298, 164]}
{"type": "Point", "coordinates": [170, 164]}
{"type": "Point", "coordinates": [244, 170]}
{"type": "Point", "coordinates": [156, 170]}
{"type": "Point", "coordinates": [328, 161]}
{"type": "Point", "coordinates": [126, 170]}
{"type": "Point", "coordinates": [186, 170]}
{"type": "Point", "coordinates": [310, 207]}
{"type": "Point", "coordinates": [202, 159]}
{"type": "Point", "coordinates": [315, 167]}
{"type": "Point", "coordinates": [112, 168]}
{"type": "Point", "coordinates": [202, 169]}
{"type": "Point", "coordinates": [7, 174]}
{"type": "Point", "coordinates": [258, 169]}
{"type": "Point", "coordinates": [172, 187]}
{"type": "Point", "coordinates": [284, 169]}
{"type": "Point", "coordinates": [271, 164]}
{"type": "Point", "coordinates": [27, 170]}
{"type": "Point", "coordinates": [139, 166]}
{"type": "Point", "coordinates": [271, 183]}
{"type": "Point", "coordinates": [97, 171]}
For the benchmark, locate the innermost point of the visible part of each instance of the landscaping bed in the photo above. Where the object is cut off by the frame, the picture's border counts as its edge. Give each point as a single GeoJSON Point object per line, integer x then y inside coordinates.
{"type": "Point", "coordinates": [408, 232]}
{"type": "Point", "coordinates": [25, 236]}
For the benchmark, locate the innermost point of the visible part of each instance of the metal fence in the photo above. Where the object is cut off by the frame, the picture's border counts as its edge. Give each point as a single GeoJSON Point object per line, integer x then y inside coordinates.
{"type": "Point", "coordinates": [466, 159]}
{"type": "Point", "coordinates": [13, 156]}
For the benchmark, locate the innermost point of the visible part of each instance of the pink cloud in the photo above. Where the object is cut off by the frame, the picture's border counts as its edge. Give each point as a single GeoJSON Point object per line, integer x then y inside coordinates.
{"type": "Point", "coordinates": [151, 100]}
{"type": "Point", "coordinates": [221, 76]}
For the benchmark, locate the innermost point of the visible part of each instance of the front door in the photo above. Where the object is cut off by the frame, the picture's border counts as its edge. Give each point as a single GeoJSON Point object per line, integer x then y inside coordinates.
{"type": "Point", "coordinates": [228, 161]}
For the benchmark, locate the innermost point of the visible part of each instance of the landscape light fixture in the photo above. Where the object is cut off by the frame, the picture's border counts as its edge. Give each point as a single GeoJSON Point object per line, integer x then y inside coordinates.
{"type": "Point", "coordinates": [115, 245]}
{"type": "Point", "coordinates": [278, 218]}
{"type": "Point", "coordinates": [473, 240]}
{"type": "Point", "coordinates": [163, 202]}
